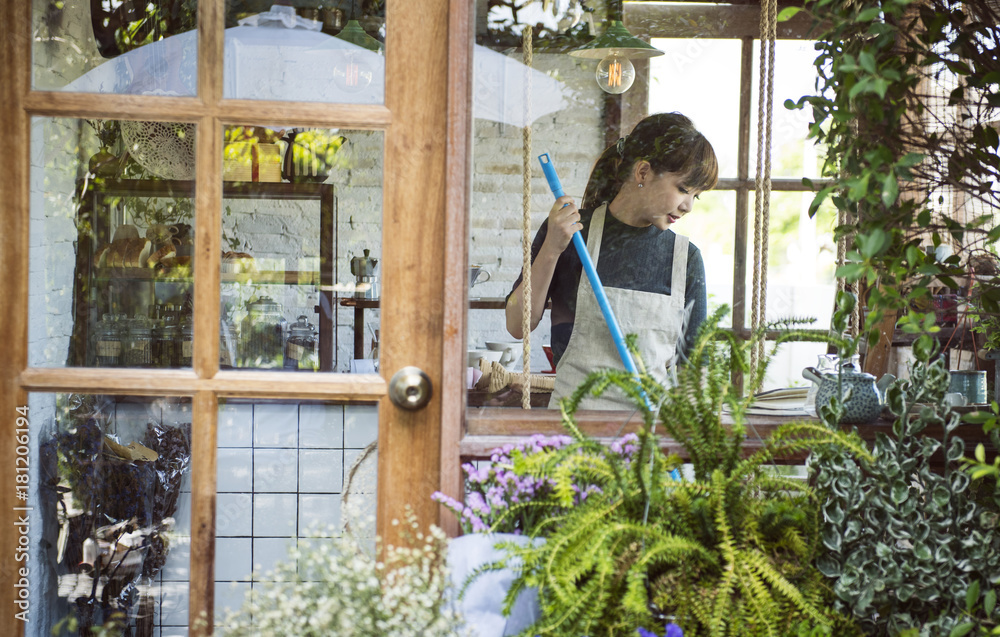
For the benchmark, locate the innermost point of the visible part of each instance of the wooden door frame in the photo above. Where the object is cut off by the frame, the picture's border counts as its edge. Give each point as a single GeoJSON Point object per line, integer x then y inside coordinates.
{"type": "Point", "coordinates": [426, 120]}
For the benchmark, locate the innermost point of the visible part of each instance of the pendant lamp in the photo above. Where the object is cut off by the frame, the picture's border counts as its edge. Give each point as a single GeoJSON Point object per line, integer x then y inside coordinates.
{"type": "Point", "coordinates": [616, 48]}
{"type": "Point", "coordinates": [356, 72]}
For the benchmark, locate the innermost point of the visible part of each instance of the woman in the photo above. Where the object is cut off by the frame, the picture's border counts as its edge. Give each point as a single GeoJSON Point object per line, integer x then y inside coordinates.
{"type": "Point", "coordinates": [654, 278]}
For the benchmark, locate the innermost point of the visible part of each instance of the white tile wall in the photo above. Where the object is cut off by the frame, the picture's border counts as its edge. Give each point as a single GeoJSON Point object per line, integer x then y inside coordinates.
{"type": "Point", "coordinates": [274, 470]}
{"type": "Point", "coordinates": [360, 426]}
{"type": "Point", "coordinates": [274, 514]}
{"type": "Point", "coordinates": [235, 428]}
{"type": "Point", "coordinates": [281, 471]}
{"type": "Point", "coordinates": [233, 515]}
{"type": "Point", "coordinates": [235, 467]}
{"type": "Point", "coordinates": [233, 559]}
{"type": "Point", "coordinates": [321, 470]}
{"type": "Point", "coordinates": [276, 425]}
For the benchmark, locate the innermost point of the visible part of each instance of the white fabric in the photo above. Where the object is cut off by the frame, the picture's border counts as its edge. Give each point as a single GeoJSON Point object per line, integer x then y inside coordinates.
{"type": "Point", "coordinates": [657, 320]}
{"type": "Point", "coordinates": [483, 600]}
{"type": "Point", "coordinates": [281, 16]}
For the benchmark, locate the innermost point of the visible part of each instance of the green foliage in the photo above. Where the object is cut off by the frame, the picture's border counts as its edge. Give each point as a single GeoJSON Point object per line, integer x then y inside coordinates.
{"type": "Point", "coordinates": [729, 553]}
{"type": "Point", "coordinates": [910, 550]}
{"type": "Point", "coordinates": [890, 143]}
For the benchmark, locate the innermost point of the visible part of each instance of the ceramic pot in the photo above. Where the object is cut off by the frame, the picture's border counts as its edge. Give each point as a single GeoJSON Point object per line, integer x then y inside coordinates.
{"type": "Point", "coordinates": [861, 396]}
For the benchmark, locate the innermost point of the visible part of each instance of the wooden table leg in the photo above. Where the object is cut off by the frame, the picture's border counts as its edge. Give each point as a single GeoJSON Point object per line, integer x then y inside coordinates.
{"type": "Point", "coordinates": [359, 332]}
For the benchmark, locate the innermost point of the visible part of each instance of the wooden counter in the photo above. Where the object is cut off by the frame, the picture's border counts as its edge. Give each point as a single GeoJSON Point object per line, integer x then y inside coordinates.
{"type": "Point", "coordinates": [489, 427]}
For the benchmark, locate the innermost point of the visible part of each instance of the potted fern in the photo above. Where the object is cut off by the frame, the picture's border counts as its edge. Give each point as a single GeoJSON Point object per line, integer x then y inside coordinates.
{"type": "Point", "coordinates": [730, 552]}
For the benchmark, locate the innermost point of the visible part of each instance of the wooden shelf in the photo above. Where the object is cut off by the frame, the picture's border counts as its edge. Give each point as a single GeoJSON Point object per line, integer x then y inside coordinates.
{"type": "Point", "coordinates": [182, 274]}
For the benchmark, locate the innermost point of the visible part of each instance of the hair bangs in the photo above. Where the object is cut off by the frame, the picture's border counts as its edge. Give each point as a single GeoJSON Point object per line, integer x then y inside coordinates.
{"type": "Point", "coordinates": [701, 170]}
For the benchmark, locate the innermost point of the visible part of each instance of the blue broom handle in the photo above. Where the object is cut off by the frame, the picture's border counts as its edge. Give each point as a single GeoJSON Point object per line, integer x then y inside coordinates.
{"type": "Point", "coordinates": [602, 299]}
{"type": "Point", "coordinates": [588, 266]}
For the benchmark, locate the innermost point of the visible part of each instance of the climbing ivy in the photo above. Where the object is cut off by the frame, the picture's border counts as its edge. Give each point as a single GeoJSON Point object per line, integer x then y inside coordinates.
{"type": "Point", "coordinates": [904, 109]}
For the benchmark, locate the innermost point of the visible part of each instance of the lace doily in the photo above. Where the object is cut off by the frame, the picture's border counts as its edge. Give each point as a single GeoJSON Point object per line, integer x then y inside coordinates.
{"type": "Point", "coordinates": [165, 149]}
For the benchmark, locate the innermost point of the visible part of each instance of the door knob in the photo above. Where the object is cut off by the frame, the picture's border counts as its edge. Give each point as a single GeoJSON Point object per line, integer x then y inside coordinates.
{"type": "Point", "coordinates": [410, 388]}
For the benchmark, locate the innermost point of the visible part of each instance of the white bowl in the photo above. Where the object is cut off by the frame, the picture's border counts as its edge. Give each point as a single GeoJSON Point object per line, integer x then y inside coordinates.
{"type": "Point", "coordinates": [511, 351]}
{"type": "Point", "coordinates": [476, 354]}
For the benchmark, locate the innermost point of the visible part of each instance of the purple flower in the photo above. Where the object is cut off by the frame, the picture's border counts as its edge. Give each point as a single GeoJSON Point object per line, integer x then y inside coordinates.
{"type": "Point", "coordinates": [673, 630]}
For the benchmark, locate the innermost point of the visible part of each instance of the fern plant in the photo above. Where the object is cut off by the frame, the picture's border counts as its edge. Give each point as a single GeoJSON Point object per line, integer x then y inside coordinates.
{"type": "Point", "coordinates": [728, 553]}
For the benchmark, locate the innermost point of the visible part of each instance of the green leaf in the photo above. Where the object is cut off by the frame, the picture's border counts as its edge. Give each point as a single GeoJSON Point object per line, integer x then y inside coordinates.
{"type": "Point", "coordinates": [890, 189]}
{"type": "Point", "coordinates": [962, 629]}
{"type": "Point", "coordinates": [869, 14]}
{"type": "Point", "coordinates": [852, 271]}
{"type": "Point", "coordinates": [989, 601]}
{"type": "Point", "coordinates": [972, 595]}
{"type": "Point", "coordinates": [910, 159]}
{"type": "Point", "coordinates": [900, 491]}
{"type": "Point", "coordinates": [981, 453]}
{"type": "Point", "coordinates": [787, 13]}
{"type": "Point", "coordinates": [867, 62]}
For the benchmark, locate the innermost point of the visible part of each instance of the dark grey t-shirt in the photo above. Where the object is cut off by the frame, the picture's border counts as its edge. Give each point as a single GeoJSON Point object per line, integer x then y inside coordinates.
{"type": "Point", "coordinates": [631, 258]}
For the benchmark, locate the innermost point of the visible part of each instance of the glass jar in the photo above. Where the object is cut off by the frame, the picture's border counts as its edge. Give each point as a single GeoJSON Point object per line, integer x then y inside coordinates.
{"type": "Point", "coordinates": [164, 335]}
{"type": "Point", "coordinates": [140, 346]}
{"type": "Point", "coordinates": [108, 342]}
{"type": "Point", "coordinates": [300, 348]}
{"type": "Point", "coordinates": [184, 343]}
{"type": "Point", "coordinates": [262, 334]}
{"type": "Point", "coordinates": [228, 339]}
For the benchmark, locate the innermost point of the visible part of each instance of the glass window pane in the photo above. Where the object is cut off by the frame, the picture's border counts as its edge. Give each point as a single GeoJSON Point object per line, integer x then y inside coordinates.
{"type": "Point", "coordinates": [108, 511]}
{"type": "Point", "coordinates": [300, 279]}
{"type": "Point", "coordinates": [716, 112]}
{"type": "Point", "coordinates": [802, 259]}
{"type": "Point", "coordinates": [336, 55]}
{"type": "Point", "coordinates": [711, 227]}
{"type": "Point", "coordinates": [112, 234]}
{"type": "Point", "coordinates": [792, 155]}
{"type": "Point", "coordinates": [138, 48]}
{"type": "Point", "coordinates": [289, 472]}
{"type": "Point", "coordinates": [572, 120]}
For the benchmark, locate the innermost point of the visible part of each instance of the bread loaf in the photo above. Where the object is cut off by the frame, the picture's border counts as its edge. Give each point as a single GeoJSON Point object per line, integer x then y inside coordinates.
{"type": "Point", "coordinates": [101, 256]}
{"type": "Point", "coordinates": [125, 231]}
{"type": "Point", "coordinates": [136, 252]}
{"type": "Point", "coordinates": [116, 253]}
{"type": "Point", "coordinates": [157, 257]}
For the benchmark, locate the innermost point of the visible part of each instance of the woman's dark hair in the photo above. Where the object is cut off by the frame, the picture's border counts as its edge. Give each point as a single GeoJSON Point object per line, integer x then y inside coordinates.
{"type": "Point", "coordinates": [669, 142]}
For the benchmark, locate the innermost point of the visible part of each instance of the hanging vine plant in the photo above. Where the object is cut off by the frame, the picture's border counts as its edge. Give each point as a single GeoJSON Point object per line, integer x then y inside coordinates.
{"type": "Point", "coordinates": [906, 108]}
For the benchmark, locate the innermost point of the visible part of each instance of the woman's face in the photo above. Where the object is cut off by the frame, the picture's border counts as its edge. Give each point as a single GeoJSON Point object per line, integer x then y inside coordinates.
{"type": "Point", "coordinates": [667, 198]}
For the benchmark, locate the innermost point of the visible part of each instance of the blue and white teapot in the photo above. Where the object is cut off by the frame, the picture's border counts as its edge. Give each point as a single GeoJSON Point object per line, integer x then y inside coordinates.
{"type": "Point", "coordinates": [864, 397]}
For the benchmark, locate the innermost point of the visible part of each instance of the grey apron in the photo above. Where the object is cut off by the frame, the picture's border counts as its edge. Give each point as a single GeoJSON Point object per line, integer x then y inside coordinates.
{"type": "Point", "coordinates": [657, 319]}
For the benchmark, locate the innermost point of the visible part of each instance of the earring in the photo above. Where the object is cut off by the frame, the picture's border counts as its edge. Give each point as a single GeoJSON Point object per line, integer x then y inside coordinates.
{"type": "Point", "coordinates": [640, 185]}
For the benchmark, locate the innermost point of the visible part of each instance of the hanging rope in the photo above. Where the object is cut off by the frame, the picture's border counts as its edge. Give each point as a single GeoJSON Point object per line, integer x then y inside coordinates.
{"type": "Point", "coordinates": [762, 200]}
{"type": "Point", "coordinates": [526, 223]}
{"type": "Point", "coordinates": [854, 325]}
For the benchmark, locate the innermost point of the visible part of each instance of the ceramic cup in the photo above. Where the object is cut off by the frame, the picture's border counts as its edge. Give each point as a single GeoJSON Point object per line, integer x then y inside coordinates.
{"type": "Point", "coordinates": [955, 399]}
{"type": "Point", "coordinates": [476, 354]}
{"type": "Point", "coordinates": [969, 383]}
{"type": "Point", "coordinates": [476, 273]}
{"type": "Point", "coordinates": [511, 351]}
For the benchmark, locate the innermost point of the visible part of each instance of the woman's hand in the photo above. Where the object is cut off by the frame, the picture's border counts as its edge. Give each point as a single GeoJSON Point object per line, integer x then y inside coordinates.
{"type": "Point", "coordinates": [564, 220]}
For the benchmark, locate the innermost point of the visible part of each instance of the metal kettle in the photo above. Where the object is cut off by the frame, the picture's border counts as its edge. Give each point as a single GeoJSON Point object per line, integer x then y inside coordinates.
{"type": "Point", "coordinates": [363, 266]}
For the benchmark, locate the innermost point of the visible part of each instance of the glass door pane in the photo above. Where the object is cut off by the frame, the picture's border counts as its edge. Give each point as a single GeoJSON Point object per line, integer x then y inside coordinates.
{"type": "Point", "coordinates": [301, 249]}
{"type": "Point", "coordinates": [123, 47]}
{"type": "Point", "coordinates": [289, 473]}
{"type": "Point", "coordinates": [334, 54]}
{"type": "Point", "coordinates": [107, 516]}
{"type": "Point", "coordinates": [112, 227]}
